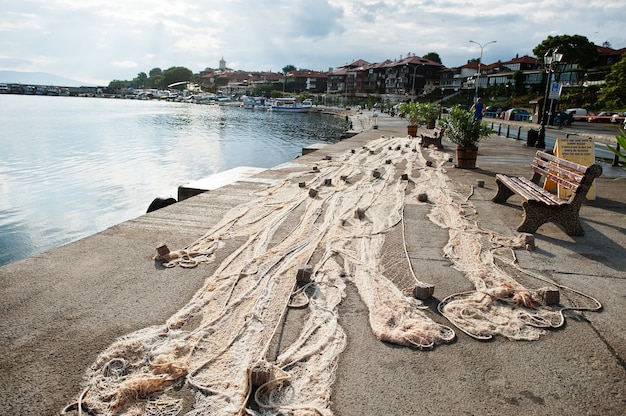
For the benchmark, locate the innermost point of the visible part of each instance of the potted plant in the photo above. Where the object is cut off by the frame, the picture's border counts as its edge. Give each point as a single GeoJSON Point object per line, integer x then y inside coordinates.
{"type": "Point", "coordinates": [465, 131]}
{"type": "Point", "coordinates": [411, 111]}
{"type": "Point", "coordinates": [430, 112]}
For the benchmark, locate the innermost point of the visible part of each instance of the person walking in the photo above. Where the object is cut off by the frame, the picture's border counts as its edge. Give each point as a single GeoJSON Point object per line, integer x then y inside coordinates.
{"type": "Point", "coordinates": [479, 109]}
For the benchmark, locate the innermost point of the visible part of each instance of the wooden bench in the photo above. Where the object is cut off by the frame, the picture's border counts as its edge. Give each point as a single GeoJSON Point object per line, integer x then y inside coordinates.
{"type": "Point", "coordinates": [541, 206]}
{"type": "Point", "coordinates": [434, 138]}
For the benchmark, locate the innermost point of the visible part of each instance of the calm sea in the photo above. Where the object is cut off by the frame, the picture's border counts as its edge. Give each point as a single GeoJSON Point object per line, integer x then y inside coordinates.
{"type": "Point", "coordinates": [71, 167]}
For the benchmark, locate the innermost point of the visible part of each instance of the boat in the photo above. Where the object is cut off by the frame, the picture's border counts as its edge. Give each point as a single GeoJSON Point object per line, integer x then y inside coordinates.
{"type": "Point", "coordinates": [255, 103]}
{"type": "Point", "coordinates": [289, 105]}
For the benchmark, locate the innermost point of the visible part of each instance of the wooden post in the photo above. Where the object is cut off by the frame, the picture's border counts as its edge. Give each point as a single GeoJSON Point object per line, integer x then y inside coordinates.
{"type": "Point", "coordinates": [549, 295]}
{"type": "Point", "coordinates": [423, 290]}
{"type": "Point", "coordinates": [529, 241]}
{"type": "Point", "coordinates": [304, 274]}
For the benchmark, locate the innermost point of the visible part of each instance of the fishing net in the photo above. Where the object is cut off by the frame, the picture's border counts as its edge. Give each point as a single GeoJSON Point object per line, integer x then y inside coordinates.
{"type": "Point", "coordinates": [218, 343]}
{"type": "Point", "coordinates": [500, 304]}
{"type": "Point", "coordinates": [216, 347]}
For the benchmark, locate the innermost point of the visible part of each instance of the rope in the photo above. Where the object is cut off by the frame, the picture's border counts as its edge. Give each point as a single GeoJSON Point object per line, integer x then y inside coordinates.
{"type": "Point", "coordinates": [543, 279]}
{"type": "Point", "coordinates": [227, 328]}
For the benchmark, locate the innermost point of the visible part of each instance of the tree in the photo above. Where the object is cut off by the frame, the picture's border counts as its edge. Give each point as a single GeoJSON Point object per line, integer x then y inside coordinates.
{"type": "Point", "coordinates": [576, 49]}
{"type": "Point", "coordinates": [289, 68]}
{"type": "Point", "coordinates": [264, 89]}
{"type": "Point", "coordinates": [116, 83]}
{"type": "Point", "coordinates": [520, 88]}
{"type": "Point", "coordinates": [613, 94]}
{"type": "Point", "coordinates": [141, 80]}
{"type": "Point", "coordinates": [175, 74]}
{"type": "Point", "coordinates": [433, 56]}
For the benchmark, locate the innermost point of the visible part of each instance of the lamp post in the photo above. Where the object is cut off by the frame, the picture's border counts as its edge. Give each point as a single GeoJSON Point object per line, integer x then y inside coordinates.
{"type": "Point", "coordinates": [551, 58]}
{"type": "Point", "coordinates": [412, 78]}
{"type": "Point", "coordinates": [443, 91]}
{"type": "Point", "coordinates": [479, 63]}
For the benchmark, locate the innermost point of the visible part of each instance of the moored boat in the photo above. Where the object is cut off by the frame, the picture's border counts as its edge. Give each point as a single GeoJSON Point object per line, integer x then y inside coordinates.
{"type": "Point", "coordinates": [255, 103]}
{"type": "Point", "coordinates": [289, 105]}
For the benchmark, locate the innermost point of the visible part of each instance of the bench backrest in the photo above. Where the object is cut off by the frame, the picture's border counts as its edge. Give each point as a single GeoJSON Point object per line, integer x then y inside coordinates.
{"type": "Point", "coordinates": [570, 175]}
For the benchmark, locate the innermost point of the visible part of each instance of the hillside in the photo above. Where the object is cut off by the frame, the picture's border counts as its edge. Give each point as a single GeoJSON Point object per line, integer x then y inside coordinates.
{"type": "Point", "coordinates": [39, 78]}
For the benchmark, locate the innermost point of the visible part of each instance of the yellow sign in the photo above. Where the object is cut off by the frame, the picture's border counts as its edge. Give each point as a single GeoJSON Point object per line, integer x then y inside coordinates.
{"type": "Point", "coordinates": [577, 150]}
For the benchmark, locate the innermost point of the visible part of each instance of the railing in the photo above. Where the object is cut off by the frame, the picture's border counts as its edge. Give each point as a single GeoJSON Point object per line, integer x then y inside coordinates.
{"type": "Point", "coordinates": [512, 132]}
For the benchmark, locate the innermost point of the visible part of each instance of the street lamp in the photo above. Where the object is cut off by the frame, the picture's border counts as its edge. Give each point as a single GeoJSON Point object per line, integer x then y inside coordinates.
{"type": "Point", "coordinates": [479, 63]}
{"type": "Point", "coordinates": [415, 68]}
{"type": "Point", "coordinates": [551, 59]}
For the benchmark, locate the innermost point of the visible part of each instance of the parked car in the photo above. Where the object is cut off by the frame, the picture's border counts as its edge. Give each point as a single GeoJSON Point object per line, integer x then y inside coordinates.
{"type": "Point", "coordinates": [618, 117]}
{"type": "Point", "coordinates": [517, 114]}
{"type": "Point", "coordinates": [579, 114]}
{"type": "Point", "coordinates": [562, 118]}
{"type": "Point", "coordinates": [576, 111]}
{"type": "Point", "coordinates": [492, 111]}
{"type": "Point", "coordinates": [601, 117]}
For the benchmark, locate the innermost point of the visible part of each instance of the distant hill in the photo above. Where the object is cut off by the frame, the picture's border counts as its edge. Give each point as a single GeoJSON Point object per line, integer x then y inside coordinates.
{"type": "Point", "coordinates": [39, 78]}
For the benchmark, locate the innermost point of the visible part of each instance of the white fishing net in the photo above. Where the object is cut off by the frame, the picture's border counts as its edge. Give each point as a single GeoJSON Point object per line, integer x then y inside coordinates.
{"type": "Point", "coordinates": [217, 345]}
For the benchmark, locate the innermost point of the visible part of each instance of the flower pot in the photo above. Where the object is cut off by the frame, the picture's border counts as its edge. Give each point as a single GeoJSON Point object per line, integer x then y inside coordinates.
{"type": "Point", "coordinates": [466, 157]}
{"type": "Point", "coordinates": [412, 131]}
{"type": "Point", "coordinates": [430, 125]}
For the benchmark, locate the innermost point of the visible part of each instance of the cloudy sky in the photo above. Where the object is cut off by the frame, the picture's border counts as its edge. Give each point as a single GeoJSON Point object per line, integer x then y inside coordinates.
{"type": "Point", "coordinates": [95, 41]}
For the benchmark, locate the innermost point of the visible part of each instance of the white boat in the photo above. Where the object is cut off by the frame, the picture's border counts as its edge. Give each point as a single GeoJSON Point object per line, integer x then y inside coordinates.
{"type": "Point", "coordinates": [289, 105]}
{"type": "Point", "coordinates": [255, 103]}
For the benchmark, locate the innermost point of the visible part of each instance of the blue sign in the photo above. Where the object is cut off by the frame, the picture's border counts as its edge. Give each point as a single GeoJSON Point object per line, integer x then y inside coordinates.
{"type": "Point", "coordinates": [555, 91]}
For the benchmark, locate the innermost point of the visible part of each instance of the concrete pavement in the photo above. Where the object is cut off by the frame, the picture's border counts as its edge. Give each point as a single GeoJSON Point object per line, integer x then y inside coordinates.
{"type": "Point", "coordinates": [61, 308]}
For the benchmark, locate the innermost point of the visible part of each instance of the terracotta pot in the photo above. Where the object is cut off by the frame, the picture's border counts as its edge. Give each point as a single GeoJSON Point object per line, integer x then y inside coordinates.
{"type": "Point", "coordinates": [412, 131]}
{"type": "Point", "coordinates": [466, 157]}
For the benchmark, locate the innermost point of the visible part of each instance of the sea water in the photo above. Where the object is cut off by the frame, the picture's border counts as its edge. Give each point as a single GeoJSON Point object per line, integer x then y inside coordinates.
{"type": "Point", "coordinates": [72, 166]}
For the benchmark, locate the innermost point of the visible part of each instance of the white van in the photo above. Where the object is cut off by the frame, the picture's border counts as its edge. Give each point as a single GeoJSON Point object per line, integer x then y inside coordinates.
{"type": "Point", "coordinates": [576, 112]}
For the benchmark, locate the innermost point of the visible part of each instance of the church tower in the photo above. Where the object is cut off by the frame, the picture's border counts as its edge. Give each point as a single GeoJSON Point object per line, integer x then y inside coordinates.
{"type": "Point", "coordinates": [222, 64]}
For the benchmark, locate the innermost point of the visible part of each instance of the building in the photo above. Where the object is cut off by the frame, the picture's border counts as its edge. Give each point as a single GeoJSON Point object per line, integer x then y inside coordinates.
{"type": "Point", "coordinates": [411, 77]}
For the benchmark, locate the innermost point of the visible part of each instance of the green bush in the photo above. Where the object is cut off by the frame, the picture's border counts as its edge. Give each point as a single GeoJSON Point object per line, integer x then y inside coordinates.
{"type": "Point", "coordinates": [463, 129]}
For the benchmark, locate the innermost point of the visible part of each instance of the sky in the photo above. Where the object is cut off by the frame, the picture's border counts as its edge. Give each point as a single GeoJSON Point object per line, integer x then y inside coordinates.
{"type": "Point", "coordinates": [96, 41]}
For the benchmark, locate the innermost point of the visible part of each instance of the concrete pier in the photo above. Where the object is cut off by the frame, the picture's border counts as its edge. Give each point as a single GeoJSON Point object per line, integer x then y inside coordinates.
{"type": "Point", "coordinates": [61, 308]}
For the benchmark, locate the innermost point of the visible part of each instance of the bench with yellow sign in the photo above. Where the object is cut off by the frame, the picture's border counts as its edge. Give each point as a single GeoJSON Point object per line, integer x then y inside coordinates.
{"type": "Point", "coordinates": [542, 206]}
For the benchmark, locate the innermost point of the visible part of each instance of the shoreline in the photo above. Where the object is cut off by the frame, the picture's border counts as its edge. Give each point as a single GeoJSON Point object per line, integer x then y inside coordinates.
{"type": "Point", "coordinates": [66, 306]}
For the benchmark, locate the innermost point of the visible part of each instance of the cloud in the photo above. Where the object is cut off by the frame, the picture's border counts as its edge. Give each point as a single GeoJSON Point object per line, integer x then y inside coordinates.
{"type": "Point", "coordinates": [125, 64]}
{"type": "Point", "coordinates": [100, 40]}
